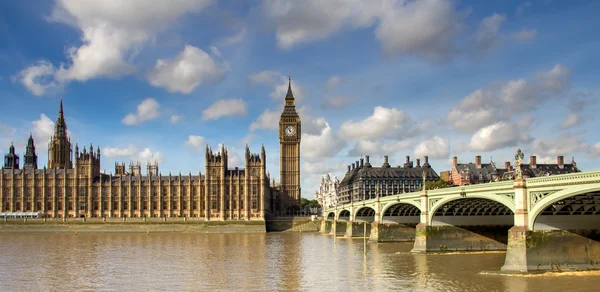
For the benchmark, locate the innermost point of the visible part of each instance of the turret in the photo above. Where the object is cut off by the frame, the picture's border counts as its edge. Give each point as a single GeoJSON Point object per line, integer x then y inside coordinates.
{"type": "Point", "coordinates": [11, 160]}
{"type": "Point", "coordinates": [30, 155]}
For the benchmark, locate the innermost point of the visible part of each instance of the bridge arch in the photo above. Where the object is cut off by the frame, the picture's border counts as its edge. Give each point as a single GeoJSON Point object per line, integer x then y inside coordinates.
{"type": "Point", "coordinates": [401, 212]}
{"type": "Point", "coordinates": [364, 214]}
{"type": "Point", "coordinates": [473, 205]}
{"type": "Point", "coordinates": [331, 216]}
{"type": "Point", "coordinates": [583, 199]}
{"type": "Point", "coordinates": [343, 215]}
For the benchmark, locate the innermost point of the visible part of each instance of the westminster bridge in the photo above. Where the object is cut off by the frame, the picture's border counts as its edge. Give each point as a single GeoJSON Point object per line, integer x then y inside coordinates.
{"type": "Point", "coordinates": [544, 223]}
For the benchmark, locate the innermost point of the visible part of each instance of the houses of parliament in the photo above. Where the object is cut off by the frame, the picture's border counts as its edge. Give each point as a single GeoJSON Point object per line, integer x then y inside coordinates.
{"type": "Point", "coordinates": [73, 185]}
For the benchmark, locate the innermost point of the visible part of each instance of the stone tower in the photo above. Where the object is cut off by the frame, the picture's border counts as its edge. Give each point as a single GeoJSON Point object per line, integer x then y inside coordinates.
{"type": "Point", "coordinates": [289, 152]}
{"type": "Point", "coordinates": [59, 148]}
{"type": "Point", "coordinates": [87, 163]}
{"type": "Point", "coordinates": [30, 156]}
{"type": "Point", "coordinates": [11, 160]}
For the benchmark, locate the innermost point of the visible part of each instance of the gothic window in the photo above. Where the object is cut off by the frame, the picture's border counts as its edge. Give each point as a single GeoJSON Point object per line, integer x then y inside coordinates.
{"type": "Point", "coordinates": [70, 206]}
{"type": "Point", "coordinates": [254, 197]}
{"type": "Point", "coordinates": [164, 205]}
{"type": "Point", "coordinates": [48, 206]}
{"type": "Point", "coordinates": [115, 205]}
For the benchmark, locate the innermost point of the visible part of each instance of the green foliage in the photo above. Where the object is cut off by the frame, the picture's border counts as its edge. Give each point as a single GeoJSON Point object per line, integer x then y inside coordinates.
{"type": "Point", "coordinates": [310, 204]}
{"type": "Point", "coordinates": [440, 184]}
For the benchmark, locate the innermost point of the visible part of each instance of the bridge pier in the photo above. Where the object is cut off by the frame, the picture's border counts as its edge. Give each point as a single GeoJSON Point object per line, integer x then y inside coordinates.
{"type": "Point", "coordinates": [338, 228]}
{"type": "Point", "coordinates": [543, 250]}
{"type": "Point", "coordinates": [356, 229]}
{"type": "Point", "coordinates": [448, 238]}
{"type": "Point", "coordinates": [392, 232]}
{"type": "Point", "coordinates": [326, 226]}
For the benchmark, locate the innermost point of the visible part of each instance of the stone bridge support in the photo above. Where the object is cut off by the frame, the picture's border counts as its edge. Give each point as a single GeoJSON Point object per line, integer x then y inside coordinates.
{"type": "Point", "coordinates": [540, 242]}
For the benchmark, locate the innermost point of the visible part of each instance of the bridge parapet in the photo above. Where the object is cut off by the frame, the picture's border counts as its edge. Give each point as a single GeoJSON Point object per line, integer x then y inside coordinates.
{"type": "Point", "coordinates": [565, 179]}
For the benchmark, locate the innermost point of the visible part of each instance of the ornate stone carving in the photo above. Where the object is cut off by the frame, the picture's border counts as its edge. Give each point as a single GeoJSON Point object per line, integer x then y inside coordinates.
{"type": "Point", "coordinates": [538, 196]}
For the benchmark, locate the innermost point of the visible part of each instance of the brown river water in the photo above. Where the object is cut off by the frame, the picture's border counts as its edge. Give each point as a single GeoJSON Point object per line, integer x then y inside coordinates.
{"type": "Point", "coordinates": [250, 262]}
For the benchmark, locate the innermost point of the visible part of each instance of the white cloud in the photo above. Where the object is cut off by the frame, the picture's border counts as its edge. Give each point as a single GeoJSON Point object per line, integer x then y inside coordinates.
{"type": "Point", "coordinates": [487, 33]}
{"type": "Point", "coordinates": [190, 68]}
{"type": "Point", "coordinates": [524, 34]}
{"type": "Point", "coordinates": [486, 106]}
{"type": "Point", "coordinates": [594, 151]}
{"type": "Point", "coordinates": [113, 32]}
{"type": "Point", "coordinates": [39, 78]}
{"type": "Point", "coordinates": [336, 102]}
{"type": "Point", "coordinates": [43, 129]}
{"type": "Point", "coordinates": [280, 90]}
{"type": "Point", "coordinates": [145, 156]}
{"type": "Point", "coordinates": [424, 28]}
{"type": "Point", "coordinates": [196, 143]}
{"type": "Point", "coordinates": [234, 39]}
{"type": "Point", "coordinates": [332, 83]}
{"type": "Point", "coordinates": [498, 136]}
{"type": "Point", "coordinates": [383, 123]}
{"type": "Point", "coordinates": [175, 119]}
{"type": "Point", "coordinates": [563, 145]}
{"type": "Point", "coordinates": [264, 77]}
{"type": "Point", "coordinates": [572, 120]}
{"type": "Point", "coordinates": [148, 109]}
{"type": "Point", "coordinates": [112, 152]}
{"type": "Point", "coordinates": [225, 108]}
{"type": "Point", "coordinates": [320, 144]}
{"type": "Point", "coordinates": [365, 147]}
{"type": "Point", "coordinates": [435, 148]}
{"type": "Point", "coordinates": [267, 120]}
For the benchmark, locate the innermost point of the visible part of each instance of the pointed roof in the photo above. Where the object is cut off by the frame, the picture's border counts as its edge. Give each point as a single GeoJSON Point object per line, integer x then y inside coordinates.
{"type": "Point", "coordinates": [60, 120]}
{"type": "Point", "coordinates": [289, 95]}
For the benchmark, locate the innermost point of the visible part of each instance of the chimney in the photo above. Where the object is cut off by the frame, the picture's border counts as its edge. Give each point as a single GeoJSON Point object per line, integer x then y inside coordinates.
{"type": "Point", "coordinates": [478, 161]}
{"type": "Point", "coordinates": [352, 166]}
{"type": "Point", "coordinates": [348, 167]}
{"type": "Point", "coordinates": [385, 159]}
{"type": "Point", "coordinates": [426, 159]}
{"type": "Point", "coordinates": [454, 161]}
{"type": "Point", "coordinates": [418, 162]}
{"type": "Point", "coordinates": [357, 164]}
{"type": "Point", "coordinates": [560, 161]}
{"type": "Point", "coordinates": [367, 158]}
{"type": "Point", "coordinates": [532, 161]}
{"type": "Point", "coordinates": [362, 162]}
{"type": "Point", "coordinates": [507, 165]}
{"type": "Point", "coordinates": [407, 159]}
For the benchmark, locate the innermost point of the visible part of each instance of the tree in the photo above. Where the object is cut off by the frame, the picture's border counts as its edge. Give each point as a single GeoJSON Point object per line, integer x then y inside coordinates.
{"type": "Point", "coordinates": [440, 184]}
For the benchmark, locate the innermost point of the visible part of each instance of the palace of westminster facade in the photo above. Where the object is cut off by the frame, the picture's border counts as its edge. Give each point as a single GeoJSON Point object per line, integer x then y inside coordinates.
{"type": "Point", "coordinates": [77, 188]}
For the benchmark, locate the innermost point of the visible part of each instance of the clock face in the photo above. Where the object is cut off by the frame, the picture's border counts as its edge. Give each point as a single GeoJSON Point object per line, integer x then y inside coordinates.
{"type": "Point", "coordinates": [290, 131]}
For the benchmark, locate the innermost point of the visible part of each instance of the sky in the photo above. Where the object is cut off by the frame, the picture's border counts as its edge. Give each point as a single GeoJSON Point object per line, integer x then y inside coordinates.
{"type": "Point", "coordinates": [159, 80]}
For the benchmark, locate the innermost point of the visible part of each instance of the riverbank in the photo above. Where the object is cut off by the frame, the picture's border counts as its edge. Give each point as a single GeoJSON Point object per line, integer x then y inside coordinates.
{"type": "Point", "coordinates": [132, 225]}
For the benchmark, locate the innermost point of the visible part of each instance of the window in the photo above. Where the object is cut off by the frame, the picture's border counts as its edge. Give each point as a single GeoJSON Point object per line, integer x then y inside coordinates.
{"type": "Point", "coordinates": [48, 206]}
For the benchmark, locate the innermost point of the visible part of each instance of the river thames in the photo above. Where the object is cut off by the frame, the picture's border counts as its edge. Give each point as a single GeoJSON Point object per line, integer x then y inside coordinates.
{"type": "Point", "coordinates": [250, 262]}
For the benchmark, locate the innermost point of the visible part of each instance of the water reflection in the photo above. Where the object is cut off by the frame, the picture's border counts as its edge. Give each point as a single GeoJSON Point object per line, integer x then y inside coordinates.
{"type": "Point", "coordinates": [248, 262]}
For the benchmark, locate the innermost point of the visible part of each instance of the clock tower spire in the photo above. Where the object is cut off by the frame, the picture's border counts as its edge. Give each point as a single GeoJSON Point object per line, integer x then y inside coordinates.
{"type": "Point", "coordinates": [289, 152]}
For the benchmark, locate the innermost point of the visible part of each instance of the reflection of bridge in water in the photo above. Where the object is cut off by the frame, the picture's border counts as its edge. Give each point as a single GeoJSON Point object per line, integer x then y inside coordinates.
{"type": "Point", "coordinates": [543, 223]}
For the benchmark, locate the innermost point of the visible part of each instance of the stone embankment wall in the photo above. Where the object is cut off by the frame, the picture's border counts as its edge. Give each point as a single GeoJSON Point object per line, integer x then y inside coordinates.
{"type": "Point", "coordinates": [293, 224]}
{"type": "Point", "coordinates": [131, 225]}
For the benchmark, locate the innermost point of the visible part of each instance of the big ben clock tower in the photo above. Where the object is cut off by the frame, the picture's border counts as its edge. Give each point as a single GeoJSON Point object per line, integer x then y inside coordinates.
{"type": "Point", "coordinates": [289, 152]}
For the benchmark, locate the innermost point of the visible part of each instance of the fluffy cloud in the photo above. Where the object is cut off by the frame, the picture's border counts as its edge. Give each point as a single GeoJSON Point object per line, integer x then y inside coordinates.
{"type": "Point", "coordinates": [487, 33]}
{"type": "Point", "coordinates": [190, 68]}
{"type": "Point", "coordinates": [225, 108]}
{"type": "Point", "coordinates": [146, 156]}
{"type": "Point", "coordinates": [196, 143]}
{"type": "Point", "coordinates": [564, 145]}
{"type": "Point", "coordinates": [148, 109]}
{"type": "Point", "coordinates": [267, 120]}
{"type": "Point", "coordinates": [424, 28]}
{"type": "Point", "coordinates": [524, 34]}
{"type": "Point", "coordinates": [435, 148]}
{"type": "Point", "coordinates": [112, 152]}
{"type": "Point", "coordinates": [521, 8]}
{"type": "Point", "coordinates": [498, 136]}
{"type": "Point", "coordinates": [572, 120]}
{"type": "Point", "coordinates": [174, 119]}
{"type": "Point", "coordinates": [264, 77]}
{"type": "Point", "coordinates": [42, 130]}
{"type": "Point", "coordinates": [383, 123]}
{"type": "Point", "coordinates": [112, 34]}
{"type": "Point", "coordinates": [39, 78]}
{"type": "Point", "coordinates": [325, 143]}
{"type": "Point", "coordinates": [279, 82]}
{"type": "Point", "coordinates": [486, 106]}
{"type": "Point", "coordinates": [364, 147]}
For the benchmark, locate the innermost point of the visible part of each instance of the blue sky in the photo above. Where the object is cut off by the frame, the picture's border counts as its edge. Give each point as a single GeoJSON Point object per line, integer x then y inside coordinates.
{"type": "Point", "coordinates": [439, 78]}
